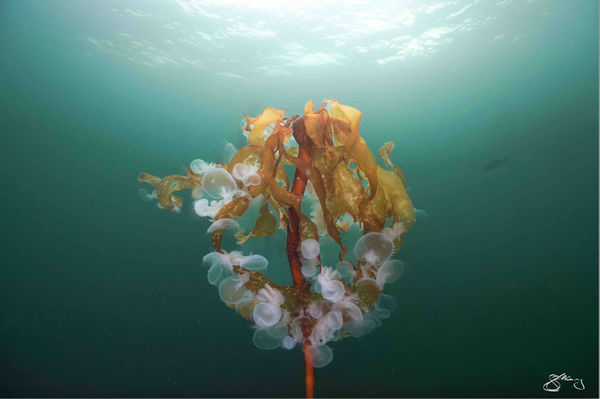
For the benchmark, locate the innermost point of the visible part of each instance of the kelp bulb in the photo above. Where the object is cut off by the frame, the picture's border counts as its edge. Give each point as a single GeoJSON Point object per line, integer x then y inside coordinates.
{"type": "Point", "coordinates": [310, 248]}
{"type": "Point", "coordinates": [229, 292]}
{"type": "Point", "coordinates": [321, 356]}
{"type": "Point", "coordinates": [389, 272]}
{"type": "Point", "coordinates": [266, 315]}
{"type": "Point", "coordinates": [334, 320]}
{"type": "Point", "coordinates": [218, 182]}
{"type": "Point", "coordinates": [333, 291]}
{"type": "Point", "coordinates": [374, 248]}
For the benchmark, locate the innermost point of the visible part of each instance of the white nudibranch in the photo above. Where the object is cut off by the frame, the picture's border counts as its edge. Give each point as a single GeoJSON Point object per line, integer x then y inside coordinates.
{"type": "Point", "coordinates": [255, 263]}
{"type": "Point", "coordinates": [220, 267]}
{"type": "Point", "coordinates": [200, 167]}
{"type": "Point", "coordinates": [332, 289]}
{"type": "Point", "coordinates": [269, 338]}
{"type": "Point", "coordinates": [310, 248]}
{"type": "Point", "coordinates": [218, 183]}
{"type": "Point", "coordinates": [266, 315]}
{"type": "Point", "coordinates": [420, 213]}
{"type": "Point", "coordinates": [197, 192]}
{"type": "Point", "coordinates": [327, 275]}
{"type": "Point", "coordinates": [223, 224]}
{"type": "Point", "coordinates": [288, 342]}
{"type": "Point", "coordinates": [334, 320]}
{"type": "Point", "coordinates": [241, 280]}
{"type": "Point", "coordinates": [395, 232]}
{"type": "Point", "coordinates": [366, 281]}
{"type": "Point", "coordinates": [346, 270]}
{"type": "Point", "coordinates": [229, 289]}
{"type": "Point", "coordinates": [235, 257]}
{"type": "Point", "coordinates": [247, 174]}
{"type": "Point", "coordinates": [389, 272]}
{"type": "Point", "coordinates": [384, 306]}
{"type": "Point", "coordinates": [147, 197]}
{"type": "Point", "coordinates": [268, 312]}
{"type": "Point", "coordinates": [310, 269]}
{"type": "Point", "coordinates": [349, 309]}
{"type": "Point", "coordinates": [228, 152]}
{"type": "Point", "coordinates": [315, 310]}
{"type": "Point", "coordinates": [374, 248]}
{"type": "Point", "coordinates": [321, 356]}
{"type": "Point", "coordinates": [359, 328]}
{"type": "Point", "coordinates": [203, 207]}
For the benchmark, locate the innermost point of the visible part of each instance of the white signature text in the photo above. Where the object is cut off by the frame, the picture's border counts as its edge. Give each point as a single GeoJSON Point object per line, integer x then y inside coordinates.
{"type": "Point", "coordinates": [554, 385]}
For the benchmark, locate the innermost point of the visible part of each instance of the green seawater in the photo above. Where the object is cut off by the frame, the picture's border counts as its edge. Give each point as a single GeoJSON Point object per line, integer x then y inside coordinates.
{"type": "Point", "coordinates": [102, 294]}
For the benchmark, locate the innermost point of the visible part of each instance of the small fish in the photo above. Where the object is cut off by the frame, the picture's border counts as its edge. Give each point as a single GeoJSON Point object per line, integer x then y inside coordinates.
{"type": "Point", "coordinates": [494, 164]}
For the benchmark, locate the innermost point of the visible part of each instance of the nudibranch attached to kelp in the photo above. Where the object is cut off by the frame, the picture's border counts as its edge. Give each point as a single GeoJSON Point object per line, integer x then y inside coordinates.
{"type": "Point", "coordinates": [336, 173]}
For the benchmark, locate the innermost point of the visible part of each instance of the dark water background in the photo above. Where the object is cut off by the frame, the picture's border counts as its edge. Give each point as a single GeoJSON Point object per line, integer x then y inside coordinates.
{"type": "Point", "coordinates": [103, 295]}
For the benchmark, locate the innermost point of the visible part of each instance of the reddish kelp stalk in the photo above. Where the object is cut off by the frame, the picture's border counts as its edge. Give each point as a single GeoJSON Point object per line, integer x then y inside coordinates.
{"type": "Point", "coordinates": [293, 241]}
{"type": "Point", "coordinates": [337, 175]}
{"type": "Point", "coordinates": [298, 187]}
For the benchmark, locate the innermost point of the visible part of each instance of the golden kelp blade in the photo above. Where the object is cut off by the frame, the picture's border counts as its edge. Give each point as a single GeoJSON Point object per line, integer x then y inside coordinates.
{"type": "Point", "coordinates": [385, 155]}
{"type": "Point", "coordinates": [402, 206]}
{"type": "Point", "coordinates": [231, 210]}
{"type": "Point", "coordinates": [167, 186]}
{"type": "Point", "coordinates": [268, 116]}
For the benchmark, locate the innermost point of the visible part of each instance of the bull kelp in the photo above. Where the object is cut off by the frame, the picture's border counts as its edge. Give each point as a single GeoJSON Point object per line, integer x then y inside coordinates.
{"type": "Point", "coordinates": [335, 170]}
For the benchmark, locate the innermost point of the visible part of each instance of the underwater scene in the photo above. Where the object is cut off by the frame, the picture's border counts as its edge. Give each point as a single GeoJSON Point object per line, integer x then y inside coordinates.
{"type": "Point", "coordinates": [326, 198]}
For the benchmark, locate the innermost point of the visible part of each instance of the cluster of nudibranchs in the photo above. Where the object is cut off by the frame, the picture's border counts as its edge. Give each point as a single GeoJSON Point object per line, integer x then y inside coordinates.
{"type": "Point", "coordinates": [346, 191]}
{"type": "Point", "coordinates": [338, 304]}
